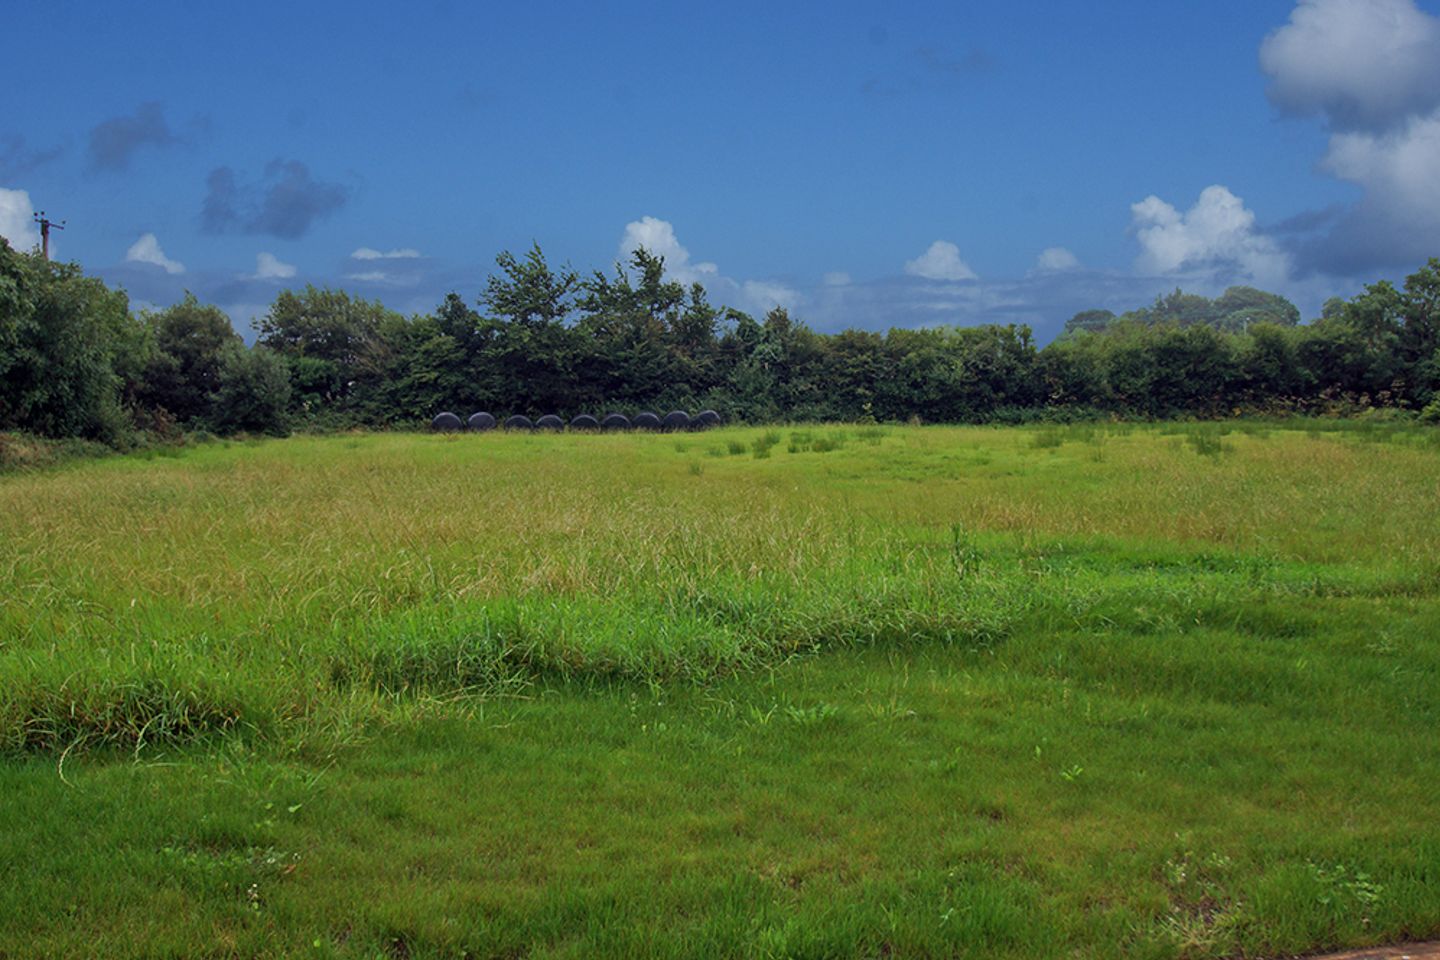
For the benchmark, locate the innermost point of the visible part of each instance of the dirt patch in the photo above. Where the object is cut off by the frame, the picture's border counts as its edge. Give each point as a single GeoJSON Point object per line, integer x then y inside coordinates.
{"type": "Point", "coordinates": [1410, 951]}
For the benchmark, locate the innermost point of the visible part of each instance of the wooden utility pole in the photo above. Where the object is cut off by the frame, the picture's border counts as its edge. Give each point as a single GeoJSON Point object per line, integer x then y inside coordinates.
{"type": "Point", "coordinates": [45, 225]}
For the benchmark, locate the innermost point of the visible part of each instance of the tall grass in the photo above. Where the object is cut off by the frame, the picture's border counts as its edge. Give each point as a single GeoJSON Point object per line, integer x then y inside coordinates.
{"type": "Point", "coordinates": [1102, 690]}
{"type": "Point", "coordinates": [244, 586]}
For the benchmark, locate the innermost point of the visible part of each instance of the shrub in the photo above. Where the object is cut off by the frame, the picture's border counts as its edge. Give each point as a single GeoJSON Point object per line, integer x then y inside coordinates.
{"type": "Point", "coordinates": [254, 392]}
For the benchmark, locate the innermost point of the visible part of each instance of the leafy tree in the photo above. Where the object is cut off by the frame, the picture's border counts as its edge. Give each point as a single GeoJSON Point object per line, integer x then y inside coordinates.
{"type": "Point", "coordinates": [692, 345]}
{"type": "Point", "coordinates": [252, 390]}
{"type": "Point", "coordinates": [1268, 367]}
{"type": "Point", "coordinates": [1357, 353]}
{"type": "Point", "coordinates": [74, 362]}
{"type": "Point", "coordinates": [1191, 370]}
{"type": "Point", "coordinates": [996, 366]}
{"type": "Point", "coordinates": [624, 334]}
{"type": "Point", "coordinates": [751, 388]}
{"type": "Point", "coordinates": [333, 343]}
{"type": "Point", "coordinates": [851, 368]}
{"type": "Point", "coordinates": [1180, 308]}
{"type": "Point", "coordinates": [529, 351]}
{"type": "Point", "coordinates": [64, 338]}
{"type": "Point", "coordinates": [794, 357]}
{"type": "Point", "coordinates": [183, 372]}
{"type": "Point", "coordinates": [1090, 320]}
{"type": "Point", "coordinates": [1420, 332]}
{"type": "Point", "coordinates": [430, 370]}
{"type": "Point", "coordinates": [1238, 308]}
{"type": "Point", "coordinates": [528, 292]}
{"type": "Point", "coordinates": [1072, 371]}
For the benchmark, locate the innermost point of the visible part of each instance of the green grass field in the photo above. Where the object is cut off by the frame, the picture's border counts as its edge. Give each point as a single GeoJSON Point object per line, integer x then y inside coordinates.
{"type": "Point", "coordinates": [1093, 691]}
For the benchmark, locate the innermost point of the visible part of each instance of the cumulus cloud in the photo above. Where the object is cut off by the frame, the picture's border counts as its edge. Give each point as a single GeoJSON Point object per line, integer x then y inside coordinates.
{"type": "Point", "coordinates": [369, 253]}
{"type": "Point", "coordinates": [940, 262]}
{"type": "Point", "coordinates": [17, 222]}
{"type": "Point", "coordinates": [1371, 70]}
{"type": "Point", "coordinates": [285, 204]}
{"type": "Point", "coordinates": [1398, 169]}
{"type": "Point", "coordinates": [658, 237]}
{"type": "Point", "coordinates": [1396, 223]}
{"type": "Point", "coordinates": [1217, 233]}
{"type": "Point", "coordinates": [113, 142]}
{"type": "Point", "coordinates": [1056, 258]}
{"type": "Point", "coordinates": [763, 295]}
{"type": "Point", "coordinates": [269, 267]}
{"type": "Point", "coordinates": [147, 250]}
{"type": "Point", "coordinates": [1362, 64]}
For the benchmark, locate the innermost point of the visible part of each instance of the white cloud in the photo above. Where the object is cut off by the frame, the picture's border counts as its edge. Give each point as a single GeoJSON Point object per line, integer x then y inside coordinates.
{"type": "Point", "coordinates": [1396, 224]}
{"type": "Point", "coordinates": [760, 296]}
{"type": "Point", "coordinates": [1056, 258]}
{"type": "Point", "coordinates": [369, 253]}
{"type": "Point", "coordinates": [1371, 69]}
{"type": "Point", "coordinates": [1217, 232]}
{"type": "Point", "coordinates": [16, 223]}
{"type": "Point", "coordinates": [1361, 63]}
{"type": "Point", "coordinates": [940, 262]}
{"type": "Point", "coordinates": [269, 267]}
{"type": "Point", "coordinates": [396, 279]}
{"type": "Point", "coordinates": [838, 278]}
{"type": "Point", "coordinates": [658, 237]}
{"type": "Point", "coordinates": [147, 250]}
{"type": "Point", "coordinates": [1397, 169]}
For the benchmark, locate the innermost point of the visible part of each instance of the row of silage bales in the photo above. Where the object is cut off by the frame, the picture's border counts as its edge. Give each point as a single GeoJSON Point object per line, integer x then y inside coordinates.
{"type": "Point", "coordinates": [673, 421]}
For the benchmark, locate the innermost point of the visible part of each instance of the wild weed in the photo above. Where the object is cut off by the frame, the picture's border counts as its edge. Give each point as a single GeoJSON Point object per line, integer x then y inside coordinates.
{"type": "Point", "coordinates": [1047, 439]}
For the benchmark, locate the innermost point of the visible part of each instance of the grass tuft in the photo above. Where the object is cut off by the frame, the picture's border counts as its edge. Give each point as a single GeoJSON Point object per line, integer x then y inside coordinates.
{"type": "Point", "coordinates": [43, 713]}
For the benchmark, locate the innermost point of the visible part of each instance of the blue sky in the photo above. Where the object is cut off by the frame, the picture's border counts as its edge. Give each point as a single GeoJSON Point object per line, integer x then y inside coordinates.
{"type": "Point", "coordinates": [862, 165]}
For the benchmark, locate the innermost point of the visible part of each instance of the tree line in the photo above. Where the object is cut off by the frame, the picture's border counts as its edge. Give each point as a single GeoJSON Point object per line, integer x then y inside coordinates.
{"type": "Point", "coordinates": [75, 361]}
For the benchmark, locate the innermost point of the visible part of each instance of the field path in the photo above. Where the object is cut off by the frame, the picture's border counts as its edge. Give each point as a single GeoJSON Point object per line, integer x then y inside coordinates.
{"type": "Point", "coordinates": [1410, 951]}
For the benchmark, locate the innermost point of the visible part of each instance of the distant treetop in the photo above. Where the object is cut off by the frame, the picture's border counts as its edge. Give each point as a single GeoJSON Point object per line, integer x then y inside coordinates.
{"type": "Point", "coordinates": [1234, 311]}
